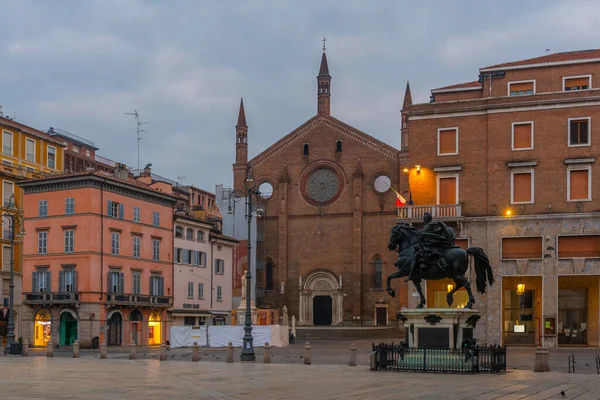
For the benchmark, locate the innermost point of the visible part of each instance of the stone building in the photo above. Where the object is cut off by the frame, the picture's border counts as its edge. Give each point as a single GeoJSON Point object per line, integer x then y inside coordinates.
{"type": "Point", "coordinates": [322, 245]}
{"type": "Point", "coordinates": [508, 160]}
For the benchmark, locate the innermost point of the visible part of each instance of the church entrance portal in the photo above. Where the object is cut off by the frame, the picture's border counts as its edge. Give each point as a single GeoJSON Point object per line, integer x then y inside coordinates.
{"type": "Point", "coordinates": [322, 310]}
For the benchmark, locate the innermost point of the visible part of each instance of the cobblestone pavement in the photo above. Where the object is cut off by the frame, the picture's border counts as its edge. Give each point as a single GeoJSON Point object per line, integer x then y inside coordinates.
{"type": "Point", "coordinates": [85, 378]}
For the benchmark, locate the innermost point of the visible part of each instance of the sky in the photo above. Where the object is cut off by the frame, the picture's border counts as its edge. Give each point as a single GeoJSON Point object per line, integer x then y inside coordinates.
{"type": "Point", "coordinates": [184, 64]}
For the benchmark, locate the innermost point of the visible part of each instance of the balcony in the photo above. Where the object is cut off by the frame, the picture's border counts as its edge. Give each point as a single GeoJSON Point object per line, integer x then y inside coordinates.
{"type": "Point", "coordinates": [137, 300]}
{"type": "Point", "coordinates": [51, 298]}
{"type": "Point", "coordinates": [443, 212]}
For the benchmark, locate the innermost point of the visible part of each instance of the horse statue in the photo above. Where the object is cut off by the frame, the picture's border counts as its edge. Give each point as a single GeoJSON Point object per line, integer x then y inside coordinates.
{"type": "Point", "coordinates": [453, 262]}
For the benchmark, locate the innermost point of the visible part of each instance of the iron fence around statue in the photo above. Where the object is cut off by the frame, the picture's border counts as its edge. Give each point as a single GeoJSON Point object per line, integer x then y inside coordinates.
{"type": "Point", "coordinates": [473, 360]}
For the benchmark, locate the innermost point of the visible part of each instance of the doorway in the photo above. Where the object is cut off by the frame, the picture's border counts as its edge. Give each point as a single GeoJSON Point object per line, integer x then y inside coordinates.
{"type": "Point", "coordinates": [322, 310]}
{"type": "Point", "coordinates": [115, 327]}
{"type": "Point", "coordinates": [136, 327]}
{"type": "Point", "coordinates": [381, 315]}
{"type": "Point", "coordinates": [68, 329]}
{"type": "Point", "coordinates": [572, 317]}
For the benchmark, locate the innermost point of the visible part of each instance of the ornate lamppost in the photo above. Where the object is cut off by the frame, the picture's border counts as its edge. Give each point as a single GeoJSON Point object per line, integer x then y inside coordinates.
{"type": "Point", "coordinates": [252, 196]}
{"type": "Point", "coordinates": [12, 216]}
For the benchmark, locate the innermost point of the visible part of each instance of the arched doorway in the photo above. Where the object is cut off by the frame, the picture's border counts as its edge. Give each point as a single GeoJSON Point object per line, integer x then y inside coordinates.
{"type": "Point", "coordinates": [136, 327]}
{"type": "Point", "coordinates": [42, 328]}
{"type": "Point", "coordinates": [68, 328]}
{"type": "Point", "coordinates": [115, 329]}
{"type": "Point", "coordinates": [321, 300]}
{"type": "Point", "coordinates": [154, 329]}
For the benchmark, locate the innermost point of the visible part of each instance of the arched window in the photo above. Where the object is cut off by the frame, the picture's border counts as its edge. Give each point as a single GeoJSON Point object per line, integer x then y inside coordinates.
{"type": "Point", "coordinates": [269, 278]}
{"type": "Point", "coordinates": [378, 273]}
{"type": "Point", "coordinates": [305, 149]}
{"type": "Point", "coordinates": [200, 235]}
{"type": "Point", "coordinates": [189, 234]}
{"type": "Point", "coordinates": [178, 232]}
{"type": "Point", "coordinates": [338, 146]}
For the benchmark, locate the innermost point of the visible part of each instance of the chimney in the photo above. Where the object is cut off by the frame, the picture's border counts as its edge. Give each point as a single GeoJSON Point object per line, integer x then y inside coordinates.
{"type": "Point", "coordinates": [147, 170]}
{"type": "Point", "coordinates": [121, 171]}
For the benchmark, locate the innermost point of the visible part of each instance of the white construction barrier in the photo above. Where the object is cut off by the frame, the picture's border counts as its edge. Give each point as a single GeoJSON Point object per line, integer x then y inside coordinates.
{"type": "Point", "coordinates": [276, 335]}
{"type": "Point", "coordinates": [185, 336]}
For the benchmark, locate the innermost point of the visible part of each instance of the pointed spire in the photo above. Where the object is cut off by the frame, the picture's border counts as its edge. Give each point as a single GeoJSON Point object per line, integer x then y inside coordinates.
{"type": "Point", "coordinates": [407, 97]}
{"type": "Point", "coordinates": [242, 114]}
{"type": "Point", "coordinates": [324, 69]}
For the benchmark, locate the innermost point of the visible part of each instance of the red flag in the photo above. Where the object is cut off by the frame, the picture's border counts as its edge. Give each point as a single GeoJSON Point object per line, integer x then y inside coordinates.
{"type": "Point", "coordinates": [400, 201]}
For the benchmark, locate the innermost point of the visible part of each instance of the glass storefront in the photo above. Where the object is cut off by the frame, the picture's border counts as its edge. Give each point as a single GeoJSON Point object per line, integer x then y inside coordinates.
{"type": "Point", "coordinates": [154, 329]}
{"type": "Point", "coordinates": [519, 324]}
{"type": "Point", "coordinates": [572, 326]}
{"type": "Point", "coordinates": [42, 328]}
{"type": "Point", "coordinates": [437, 292]}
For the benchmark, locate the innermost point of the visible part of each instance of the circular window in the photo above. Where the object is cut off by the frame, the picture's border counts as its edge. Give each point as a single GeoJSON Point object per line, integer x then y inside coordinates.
{"type": "Point", "coordinates": [266, 190]}
{"type": "Point", "coordinates": [322, 185]}
{"type": "Point", "coordinates": [382, 184]}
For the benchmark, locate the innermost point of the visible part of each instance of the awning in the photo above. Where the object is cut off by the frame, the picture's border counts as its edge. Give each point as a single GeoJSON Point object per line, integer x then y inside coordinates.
{"type": "Point", "coordinates": [191, 313]}
{"type": "Point", "coordinates": [220, 312]}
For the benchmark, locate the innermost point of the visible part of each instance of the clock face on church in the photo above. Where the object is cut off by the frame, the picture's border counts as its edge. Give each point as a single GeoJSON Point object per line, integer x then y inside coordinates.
{"type": "Point", "coordinates": [322, 185]}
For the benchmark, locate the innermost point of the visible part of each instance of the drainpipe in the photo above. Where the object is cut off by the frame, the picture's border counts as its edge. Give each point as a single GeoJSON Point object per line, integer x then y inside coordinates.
{"type": "Point", "coordinates": [101, 240]}
{"type": "Point", "coordinates": [212, 248]}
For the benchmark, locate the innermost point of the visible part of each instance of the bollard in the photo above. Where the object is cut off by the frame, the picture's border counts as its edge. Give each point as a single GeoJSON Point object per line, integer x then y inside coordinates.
{"type": "Point", "coordinates": [542, 361]}
{"type": "Point", "coordinates": [307, 356]}
{"type": "Point", "coordinates": [195, 352]}
{"type": "Point", "coordinates": [229, 352]}
{"type": "Point", "coordinates": [132, 351]}
{"type": "Point", "coordinates": [352, 362]}
{"type": "Point", "coordinates": [50, 349]}
{"type": "Point", "coordinates": [373, 361]}
{"type": "Point", "coordinates": [76, 349]}
{"type": "Point", "coordinates": [2, 349]}
{"type": "Point", "coordinates": [163, 352]}
{"type": "Point", "coordinates": [25, 348]}
{"type": "Point", "coordinates": [103, 350]}
{"type": "Point", "coordinates": [267, 356]}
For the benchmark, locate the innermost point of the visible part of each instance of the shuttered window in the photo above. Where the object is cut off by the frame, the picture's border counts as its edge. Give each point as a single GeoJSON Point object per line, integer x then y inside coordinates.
{"type": "Point", "coordinates": [523, 136]}
{"type": "Point", "coordinates": [522, 248]}
{"type": "Point", "coordinates": [577, 83]}
{"type": "Point", "coordinates": [447, 141]}
{"type": "Point", "coordinates": [579, 184]}
{"type": "Point", "coordinates": [579, 246]}
{"type": "Point", "coordinates": [448, 190]}
{"type": "Point", "coordinates": [462, 243]}
{"type": "Point", "coordinates": [519, 89]}
{"type": "Point", "coordinates": [522, 187]}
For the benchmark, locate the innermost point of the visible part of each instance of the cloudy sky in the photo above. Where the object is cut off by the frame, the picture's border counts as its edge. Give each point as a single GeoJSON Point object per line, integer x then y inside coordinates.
{"type": "Point", "coordinates": [183, 64]}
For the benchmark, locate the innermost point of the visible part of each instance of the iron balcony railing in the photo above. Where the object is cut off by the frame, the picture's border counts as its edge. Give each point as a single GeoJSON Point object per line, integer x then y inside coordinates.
{"type": "Point", "coordinates": [478, 359]}
{"type": "Point", "coordinates": [138, 299]}
{"type": "Point", "coordinates": [51, 297]}
{"type": "Point", "coordinates": [439, 211]}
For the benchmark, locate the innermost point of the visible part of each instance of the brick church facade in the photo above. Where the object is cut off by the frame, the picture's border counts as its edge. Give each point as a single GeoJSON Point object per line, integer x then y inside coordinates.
{"type": "Point", "coordinates": [322, 248]}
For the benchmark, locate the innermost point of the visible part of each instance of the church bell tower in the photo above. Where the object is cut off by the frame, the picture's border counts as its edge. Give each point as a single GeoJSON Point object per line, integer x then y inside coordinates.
{"type": "Point", "coordinates": [323, 86]}
{"type": "Point", "coordinates": [241, 149]}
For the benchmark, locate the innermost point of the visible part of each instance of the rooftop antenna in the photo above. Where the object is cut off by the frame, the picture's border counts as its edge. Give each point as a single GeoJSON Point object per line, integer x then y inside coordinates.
{"type": "Point", "coordinates": [139, 132]}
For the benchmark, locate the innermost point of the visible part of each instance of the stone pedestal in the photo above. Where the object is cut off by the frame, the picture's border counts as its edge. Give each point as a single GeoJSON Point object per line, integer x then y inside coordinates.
{"type": "Point", "coordinates": [423, 328]}
{"type": "Point", "coordinates": [542, 361]}
{"type": "Point", "coordinates": [241, 313]}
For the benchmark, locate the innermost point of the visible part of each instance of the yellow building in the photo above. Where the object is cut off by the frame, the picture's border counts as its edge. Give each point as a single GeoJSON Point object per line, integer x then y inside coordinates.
{"type": "Point", "coordinates": [26, 153]}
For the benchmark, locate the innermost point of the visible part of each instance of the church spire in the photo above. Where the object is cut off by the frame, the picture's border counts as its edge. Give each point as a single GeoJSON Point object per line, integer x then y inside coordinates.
{"type": "Point", "coordinates": [323, 85]}
{"type": "Point", "coordinates": [241, 115]}
{"type": "Point", "coordinates": [241, 148]}
{"type": "Point", "coordinates": [407, 97]}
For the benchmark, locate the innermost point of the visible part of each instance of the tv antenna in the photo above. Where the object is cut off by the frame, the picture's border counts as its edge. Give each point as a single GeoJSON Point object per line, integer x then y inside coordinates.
{"type": "Point", "coordinates": [139, 132]}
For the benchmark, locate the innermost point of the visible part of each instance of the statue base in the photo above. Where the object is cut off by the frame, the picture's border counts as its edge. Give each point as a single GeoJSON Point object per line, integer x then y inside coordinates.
{"type": "Point", "coordinates": [438, 328]}
{"type": "Point", "coordinates": [241, 314]}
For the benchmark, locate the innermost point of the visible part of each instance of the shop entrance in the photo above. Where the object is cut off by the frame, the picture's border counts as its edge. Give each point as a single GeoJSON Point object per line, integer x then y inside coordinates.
{"type": "Point", "coordinates": [322, 310]}
{"type": "Point", "coordinates": [154, 329]}
{"type": "Point", "coordinates": [522, 310]}
{"type": "Point", "coordinates": [577, 323]}
{"type": "Point", "coordinates": [68, 329]}
{"type": "Point", "coordinates": [42, 328]}
{"type": "Point", "coordinates": [115, 329]}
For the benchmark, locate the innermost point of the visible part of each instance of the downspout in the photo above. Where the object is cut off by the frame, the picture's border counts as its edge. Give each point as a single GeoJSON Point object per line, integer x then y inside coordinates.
{"type": "Point", "coordinates": [101, 241]}
{"type": "Point", "coordinates": [212, 248]}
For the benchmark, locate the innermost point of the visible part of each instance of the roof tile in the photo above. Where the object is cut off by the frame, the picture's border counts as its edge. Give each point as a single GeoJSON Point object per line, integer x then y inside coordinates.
{"type": "Point", "coordinates": [550, 58]}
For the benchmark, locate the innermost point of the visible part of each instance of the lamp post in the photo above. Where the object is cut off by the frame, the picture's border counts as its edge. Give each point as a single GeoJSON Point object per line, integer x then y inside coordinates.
{"type": "Point", "coordinates": [16, 221]}
{"type": "Point", "coordinates": [252, 195]}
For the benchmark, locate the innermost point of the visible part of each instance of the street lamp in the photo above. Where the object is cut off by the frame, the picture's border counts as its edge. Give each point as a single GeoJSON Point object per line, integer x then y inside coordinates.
{"type": "Point", "coordinates": [16, 224]}
{"type": "Point", "coordinates": [252, 195]}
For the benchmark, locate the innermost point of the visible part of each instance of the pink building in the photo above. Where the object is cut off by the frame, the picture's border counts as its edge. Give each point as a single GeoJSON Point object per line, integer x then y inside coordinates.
{"type": "Point", "coordinates": [97, 262]}
{"type": "Point", "coordinates": [202, 274]}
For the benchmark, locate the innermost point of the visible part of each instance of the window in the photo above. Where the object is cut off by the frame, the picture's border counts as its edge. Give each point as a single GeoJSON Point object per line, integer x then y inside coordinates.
{"type": "Point", "coordinates": [579, 131]}
{"type": "Point", "coordinates": [219, 267]}
{"type": "Point", "coordinates": [200, 291]}
{"type": "Point", "coordinates": [156, 218]}
{"type": "Point", "coordinates": [190, 290]}
{"type": "Point", "coordinates": [582, 82]}
{"type": "Point", "coordinates": [70, 206]}
{"type": "Point", "coordinates": [338, 146]}
{"type": "Point", "coordinates": [189, 234]}
{"type": "Point", "coordinates": [42, 242]}
{"type": "Point", "coordinates": [156, 249]}
{"type": "Point", "coordinates": [447, 141]}
{"type": "Point", "coordinates": [30, 150]}
{"type": "Point", "coordinates": [521, 187]}
{"type": "Point", "coordinates": [115, 282]}
{"type": "Point", "coordinates": [41, 280]}
{"type": "Point", "coordinates": [200, 236]}
{"type": "Point", "coordinates": [186, 256]}
{"type": "Point", "coordinates": [521, 87]}
{"type": "Point", "coordinates": [137, 242]}
{"type": "Point", "coordinates": [305, 149]}
{"type": "Point", "coordinates": [67, 280]}
{"type": "Point", "coordinates": [579, 246]}
{"type": "Point", "coordinates": [69, 241]}
{"type": "Point", "coordinates": [157, 285]}
{"type": "Point", "coordinates": [51, 157]}
{"type": "Point", "coordinates": [43, 208]}
{"type": "Point", "coordinates": [178, 255]}
{"type": "Point", "coordinates": [136, 214]}
{"type": "Point", "coordinates": [116, 210]}
{"type": "Point", "coordinates": [7, 143]}
{"type": "Point", "coordinates": [178, 232]}
{"type": "Point", "coordinates": [75, 149]}
{"type": "Point", "coordinates": [115, 243]}
{"type": "Point", "coordinates": [447, 190]}
{"type": "Point", "coordinates": [8, 189]}
{"type": "Point", "coordinates": [378, 273]}
{"type": "Point", "coordinates": [269, 276]}
{"type": "Point", "coordinates": [6, 256]}
{"type": "Point", "coordinates": [6, 228]}
{"type": "Point", "coordinates": [522, 248]}
{"type": "Point", "coordinates": [136, 281]}
{"type": "Point", "coordinates": [522, 135]}
{"type": "Point", "coordinates": [87, 153]}
{"type": "Point", "coordinates": [219, 293]}
{"type": "Point", "coordinates": [579, 184]}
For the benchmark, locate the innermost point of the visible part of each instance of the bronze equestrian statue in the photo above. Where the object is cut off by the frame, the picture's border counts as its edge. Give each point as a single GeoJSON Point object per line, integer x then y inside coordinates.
{"type": "Point", "coordinates": [431, 254]}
